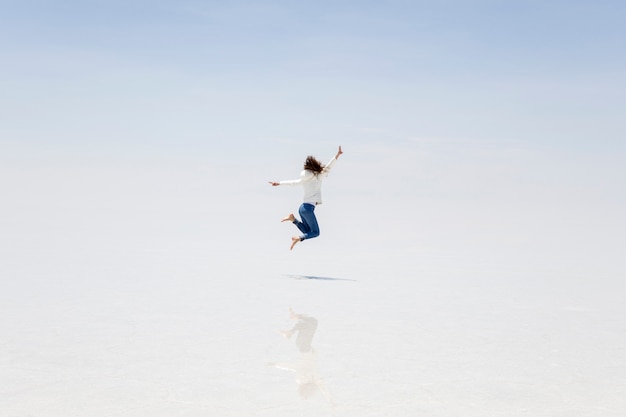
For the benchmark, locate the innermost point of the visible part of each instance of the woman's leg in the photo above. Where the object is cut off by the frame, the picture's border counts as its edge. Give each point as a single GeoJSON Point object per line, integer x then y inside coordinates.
{"type": "Point", "coordinates": [308, 226]}
{"type": "Point", "coordinates": [311, 229]}
{"type": "Point", "coordinates": [304, 227]}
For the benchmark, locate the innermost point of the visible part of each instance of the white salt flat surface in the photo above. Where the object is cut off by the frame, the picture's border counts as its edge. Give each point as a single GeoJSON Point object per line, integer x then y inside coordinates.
{"type": "Point", "coordinates": [149, 298]}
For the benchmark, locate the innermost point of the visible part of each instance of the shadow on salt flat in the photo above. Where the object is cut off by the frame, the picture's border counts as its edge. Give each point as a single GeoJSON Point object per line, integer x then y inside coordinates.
{"type": "Point", "coordinates": [318, 278]}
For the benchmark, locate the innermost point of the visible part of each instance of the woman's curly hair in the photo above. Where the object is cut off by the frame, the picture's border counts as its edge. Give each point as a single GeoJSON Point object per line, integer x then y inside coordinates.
{"type": "Point", "coordinates": [313, 165]}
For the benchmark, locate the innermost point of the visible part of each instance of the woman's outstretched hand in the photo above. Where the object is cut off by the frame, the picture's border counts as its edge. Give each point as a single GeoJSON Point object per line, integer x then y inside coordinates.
{"type": "Point", "coordinates": [274, 184]}
{"type": "Point", "coordinates": [339, 152]}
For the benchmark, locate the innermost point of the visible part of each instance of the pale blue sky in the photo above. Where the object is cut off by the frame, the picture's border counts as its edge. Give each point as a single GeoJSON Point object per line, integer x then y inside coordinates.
{"type": "Point", "coordinates": [471, 100]}
{"type": "Point", "coordinates": [187, 75]}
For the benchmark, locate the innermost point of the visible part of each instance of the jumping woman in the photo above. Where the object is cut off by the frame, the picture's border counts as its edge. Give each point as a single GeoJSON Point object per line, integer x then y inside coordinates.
{"type": "Point", "coordinates": [311, 180]}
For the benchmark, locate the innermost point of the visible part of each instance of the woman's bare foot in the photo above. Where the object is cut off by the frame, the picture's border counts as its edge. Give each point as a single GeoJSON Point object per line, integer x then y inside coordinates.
{"type": "Point", "coordinates": [294, 240]}
{"type": "Point", "coordinates": [290, 218]}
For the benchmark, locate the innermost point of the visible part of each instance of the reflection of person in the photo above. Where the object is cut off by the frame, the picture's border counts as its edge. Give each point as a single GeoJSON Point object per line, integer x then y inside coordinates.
{"type": "Point", "coordinates": [305, 368]}
{"type": "Point", "coordinates": [305, 327]}
{"type": "Point", "coordinates": [311, 180]}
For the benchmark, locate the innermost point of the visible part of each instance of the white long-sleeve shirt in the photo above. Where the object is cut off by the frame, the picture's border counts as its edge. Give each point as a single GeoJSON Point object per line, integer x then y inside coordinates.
{"type": "Point", "coordinates": [312, 183]}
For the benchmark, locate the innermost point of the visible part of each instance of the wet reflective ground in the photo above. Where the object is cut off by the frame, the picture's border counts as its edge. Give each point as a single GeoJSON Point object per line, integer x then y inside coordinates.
{"type": "Point", "coordinates": [239, 342]}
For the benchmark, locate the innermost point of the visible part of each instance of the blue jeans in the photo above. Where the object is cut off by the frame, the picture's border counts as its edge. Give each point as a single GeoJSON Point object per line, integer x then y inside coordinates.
{"type": "Point", "coordinates": [308, 226]}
